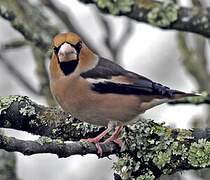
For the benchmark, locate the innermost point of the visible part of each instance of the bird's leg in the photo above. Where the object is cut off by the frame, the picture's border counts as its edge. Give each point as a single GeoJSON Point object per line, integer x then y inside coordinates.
{"type": "Point", "coordinates": [114, 136]}
{"type": "Point", "coordinates": [97, 138]}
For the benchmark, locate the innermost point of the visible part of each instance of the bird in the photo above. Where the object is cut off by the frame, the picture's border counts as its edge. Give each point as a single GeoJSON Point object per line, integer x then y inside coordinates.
{"type": "Point", "coordinates": [98, 91]}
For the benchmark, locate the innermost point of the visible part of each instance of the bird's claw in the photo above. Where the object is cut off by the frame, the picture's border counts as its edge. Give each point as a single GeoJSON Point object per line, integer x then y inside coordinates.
{"type": "Point", "coordinates": [99, 149]}
{"type": "Point", "coordinates": [97, 145]}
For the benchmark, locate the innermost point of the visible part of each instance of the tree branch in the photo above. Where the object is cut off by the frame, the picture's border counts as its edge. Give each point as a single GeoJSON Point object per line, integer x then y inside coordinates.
{"type": "Point", "coordinates": [150, 149]}
{"type": "Point", "coordinates": [196, 100]}
{"type": "Point", "coordinates": [58, 147]}
{"type": "Point", "coordinates": [165, 15]}
{"type": "Point", "coordinates": [69, 21]}
{"type": "Point", "coordinates": [115, 48]}
{"type": "Point", "coordinates": [23, 29]}
{"type": "Point", "coordinates": [19, 112]}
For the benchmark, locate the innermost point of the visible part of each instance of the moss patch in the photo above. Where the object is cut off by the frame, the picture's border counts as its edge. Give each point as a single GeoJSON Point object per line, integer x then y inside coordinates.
{"type": "Point", "coordinates": [199, 153]}
{"type": "Point", "coordinates": [116, 6]}
{"type": "Point", "coordinates": [163, 15]}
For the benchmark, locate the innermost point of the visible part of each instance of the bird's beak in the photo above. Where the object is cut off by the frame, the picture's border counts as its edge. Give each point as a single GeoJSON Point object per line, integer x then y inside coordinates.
{"type": "Point", "coordinates": [67, 53]}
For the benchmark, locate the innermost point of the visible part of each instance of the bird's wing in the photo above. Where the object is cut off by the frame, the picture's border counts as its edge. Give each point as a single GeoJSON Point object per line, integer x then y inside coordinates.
{"type": "Point", "coordinates": [108, 77]}
{"type": "Point", "coordinates": [105, 69]}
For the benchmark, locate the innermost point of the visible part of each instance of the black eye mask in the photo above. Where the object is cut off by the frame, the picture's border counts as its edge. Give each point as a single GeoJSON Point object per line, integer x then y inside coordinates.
{"type": "Point", "coordinates": [77, 47]}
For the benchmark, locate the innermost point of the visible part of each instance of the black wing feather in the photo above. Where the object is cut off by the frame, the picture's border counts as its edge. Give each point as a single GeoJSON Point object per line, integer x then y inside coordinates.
{"type": "Point", "coordinates": [132, 89]}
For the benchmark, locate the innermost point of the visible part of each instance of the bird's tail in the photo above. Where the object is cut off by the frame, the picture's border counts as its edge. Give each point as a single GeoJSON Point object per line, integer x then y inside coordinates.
{"type": "Point", "coordinates": [180, 94]}
{"type": "Point", "coordinates": [171, 94]}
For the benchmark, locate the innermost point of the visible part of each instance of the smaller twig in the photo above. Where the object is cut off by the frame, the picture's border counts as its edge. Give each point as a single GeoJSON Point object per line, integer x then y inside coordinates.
{"type": "Point", "coordinates": [196, 100]}
{"type": "Point", "coordinates": [125, 36]}
{"type": "Point", "coordinates": [108, 33]}
{"type": "Point", "coordinates": [13, 71]}
{"type": "Point", "coordinates": [70, 24]}
{"type": "Point", "coordinates": [36, 38]}
{"type": "Point", "coordinates": [41, 71]}
{"type": "Point", "coordinates": [193, 64]}
{"type": "Point", "coordinates": [17, 43]}
{"type": "Point", "coordinates": [116, 48]}
{"type": "Point", "coordinates": [58, 147]}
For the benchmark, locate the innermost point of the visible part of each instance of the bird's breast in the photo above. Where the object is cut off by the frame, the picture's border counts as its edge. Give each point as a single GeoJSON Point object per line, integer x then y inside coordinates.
{"type": "Point", "coordinates": [68, 92]}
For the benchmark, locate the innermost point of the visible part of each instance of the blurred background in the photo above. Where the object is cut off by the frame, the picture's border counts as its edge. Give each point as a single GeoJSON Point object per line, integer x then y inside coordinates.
{"type": "Point", "coordinates": [177, 59]}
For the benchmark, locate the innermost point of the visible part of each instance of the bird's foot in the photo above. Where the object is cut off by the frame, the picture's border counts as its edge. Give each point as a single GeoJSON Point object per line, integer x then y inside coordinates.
{"type": "Point", "coordinates": [91, 140]}
{"type": "Point", "coordinates": [96, 143]}
{"type": "Point", "coordinates": [113, 138]}
{"type": "Point", "coordinates": [96, 140]}
{"type": "Point", "coordinates": [117, 141]}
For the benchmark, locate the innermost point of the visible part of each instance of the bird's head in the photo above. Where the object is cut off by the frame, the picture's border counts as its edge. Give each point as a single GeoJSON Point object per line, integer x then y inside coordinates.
{"type": "Point", "coordinates": [71, 54]}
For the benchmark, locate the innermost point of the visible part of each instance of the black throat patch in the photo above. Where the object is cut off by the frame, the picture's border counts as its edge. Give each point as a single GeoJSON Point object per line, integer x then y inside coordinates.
{"type": "Point", "coordinates": [69, 66]}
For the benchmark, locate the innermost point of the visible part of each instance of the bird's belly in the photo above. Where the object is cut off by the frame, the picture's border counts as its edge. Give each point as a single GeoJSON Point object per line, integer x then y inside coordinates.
{"type": "Point", "coordinates": [100, 109]}
{"type": "Point", "coordinates": [97, 108]}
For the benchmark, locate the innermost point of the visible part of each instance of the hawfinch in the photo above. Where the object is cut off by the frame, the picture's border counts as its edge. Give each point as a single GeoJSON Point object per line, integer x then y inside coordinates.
{"type": "Point", "coordinates": [98, 91]}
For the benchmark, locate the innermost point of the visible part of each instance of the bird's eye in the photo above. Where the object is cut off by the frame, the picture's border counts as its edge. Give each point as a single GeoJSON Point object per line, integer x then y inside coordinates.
{"type": "Point", "coordinates": [78, 46]}
{"type": "Point", "coordinates": [55, 49]}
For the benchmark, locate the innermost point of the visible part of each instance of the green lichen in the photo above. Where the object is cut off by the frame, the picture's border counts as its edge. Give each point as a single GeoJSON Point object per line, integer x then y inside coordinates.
{"type": "Point", "coordinates": [59, 141]}
{"type": "Point", "coordinates": [44, 140]}
{"type": "Point", "coordinates": [183, 134]}
{"type": "Point", "coordinates": [146, 142]}
{"type": "Point", "coordinates": [147, 176]}
{"type": "Point", "coordinates": [163, 14]}
{"type": "Point", "coordinates": [179, 149]}
{"type": "Point", "coordinates": [162, 158]}
{"type": "Point", "coordinates": [116, 6]}
{"type": "Point", "coordinates": [196, 99]}
{"type": "Point", "coordinates": [6, 14]}
{"type": "Point", "coordinates": [54, 131]}
{"type": "Point", "coordinates": [84, 144]}
{"type": "Point", "coordinates": [125, 166]}
{"type": "Point", "coordinates": [200, 20]}
{"type": "Point", "coordinates": [199, 153]}
{"type": "Point", "coordinates": [28, 110]}
{"type": "Point", "coordinates": [5, 102]}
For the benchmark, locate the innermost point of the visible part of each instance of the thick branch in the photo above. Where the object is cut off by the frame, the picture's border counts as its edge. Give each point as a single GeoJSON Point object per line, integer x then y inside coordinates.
{"type": "Point", "coordinates": [19, 112]}
{"type": "Point", "coordinates": [150, 149]}
{"type": "Point", "coordinates": [165, 15]}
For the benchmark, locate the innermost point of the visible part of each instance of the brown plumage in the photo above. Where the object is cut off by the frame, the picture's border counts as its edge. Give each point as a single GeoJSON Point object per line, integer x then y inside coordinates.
{"type": "Point", "coordinates": [98, 91]}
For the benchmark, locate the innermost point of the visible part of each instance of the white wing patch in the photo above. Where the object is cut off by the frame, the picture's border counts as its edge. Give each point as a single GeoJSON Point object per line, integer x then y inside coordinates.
{"type": "Point", "coordinates": [101, 80]}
